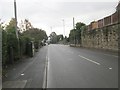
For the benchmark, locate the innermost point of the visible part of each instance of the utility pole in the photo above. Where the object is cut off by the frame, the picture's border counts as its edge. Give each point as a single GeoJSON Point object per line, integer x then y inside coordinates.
{"type": "Point", "coordinates": [73, 23]}
{"type": "Point", "coordinates": [74, 30]}
{"type": "Point", "coordinates": [15, 12]}
{"type": "Point", "coordinates": [64, 30]}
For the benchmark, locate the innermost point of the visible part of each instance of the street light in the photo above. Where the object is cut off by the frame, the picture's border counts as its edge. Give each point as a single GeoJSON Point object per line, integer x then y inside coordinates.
{"type": "Point", "coordinates": [63, 27]}
{"type": "Point", "coordinates": [64, 30]}
{"type": "Point", "coordinates": [15, 12]}
{"type": "Point", "coordinates": [74, 30]}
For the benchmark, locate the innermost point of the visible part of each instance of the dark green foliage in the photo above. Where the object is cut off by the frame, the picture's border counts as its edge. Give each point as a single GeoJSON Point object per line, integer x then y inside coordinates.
{"type": "Point", "coordinates": [36, 45]}
{"type": "Point", "coordinates": [59, 38]}
{"type": "Point", "coordinates": [75, 34]}
{"type": "Point", "coordinates": [36, 34]}
{"type": "Point", "coordinates": [4, 47]}
{"type": "Point", "coordinates": [72, 36]}
{"type": "Point", "coordinates": [83, 31]}
{"type": "Point", "coordinates": [78, 30]}
{"type": "Point", "coordinates": [24, 40]}
{"type": "Point", "coordinates": [15, 48]}
{"type": "Point", "coordinates": [13, 42]}
{"type": "Point", "coordinates": [53, 38]}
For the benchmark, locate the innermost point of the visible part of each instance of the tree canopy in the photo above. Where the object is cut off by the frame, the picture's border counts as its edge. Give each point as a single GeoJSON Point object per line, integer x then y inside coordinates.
{"type": "Point", "coordinates": [75, 34]}
{"type": "Point", "coordinates": [35, 34]}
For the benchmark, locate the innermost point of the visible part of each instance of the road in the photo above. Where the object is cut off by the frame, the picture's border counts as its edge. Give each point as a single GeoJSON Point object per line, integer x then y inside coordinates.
{"type": "Point", "coordinates": [66, 67]}
{"type": "Point", "coordinates": [70, 67]}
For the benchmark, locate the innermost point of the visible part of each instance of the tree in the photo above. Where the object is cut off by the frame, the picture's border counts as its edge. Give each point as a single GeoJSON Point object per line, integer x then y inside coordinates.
{"type": "Point", "coordinates": [53, 38]}
{"type": "Point", "coordinates": [35, 34]}
{"type": "Point", "coordinates": [78, 30]}
{"type": "Point", "coordinates": [10, 28]}
{"type": "Point", "coordinates": [1, 24]}
{"type": "Point", "coordinates": [72, 36]}
{"type": "Point", "coordinates": [28, 24]}
{"type": "Point", "coordinates": [4, 47]}
{"type": "Point", "coordinates": [25, 25]}
{"type": "Point", "coordinates": [10, 42]}
{"type": "Point", "coordinates": [59, 37]}
{"type": "Point", "coordinates": [75, 34]}
{"type": "Point", "coordinates": [12, 39]}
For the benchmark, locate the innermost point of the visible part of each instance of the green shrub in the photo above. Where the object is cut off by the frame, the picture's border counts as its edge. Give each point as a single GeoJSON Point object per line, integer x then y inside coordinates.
{"type": "Point", "coordinates": [4, 48]}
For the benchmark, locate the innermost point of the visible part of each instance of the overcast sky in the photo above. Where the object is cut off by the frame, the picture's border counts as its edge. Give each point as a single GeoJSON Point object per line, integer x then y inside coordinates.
{"type": "Point", "coordinates": [50, 13]}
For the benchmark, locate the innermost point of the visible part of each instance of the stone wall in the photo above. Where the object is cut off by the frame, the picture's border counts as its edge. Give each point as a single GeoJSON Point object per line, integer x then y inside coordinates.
{"type": "Point", "coordinates": [101, 38]}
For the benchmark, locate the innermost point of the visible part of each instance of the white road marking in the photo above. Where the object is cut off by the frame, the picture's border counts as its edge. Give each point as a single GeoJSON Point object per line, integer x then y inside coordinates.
{"type": "Point", "coordinates": [45, 74]}
{"type": "Point", "coordinates": [89, 60]}
{"type": "Point", "coordinates": [110, 68]}
{"type": "Point", "coordinates": [44, 79]}
{"type": "Point", "coordinates": [48, 64]}
{"type": "Point", "coordinates": [22, 74]}
{"type": "Point", "coordinates": [111, 55]}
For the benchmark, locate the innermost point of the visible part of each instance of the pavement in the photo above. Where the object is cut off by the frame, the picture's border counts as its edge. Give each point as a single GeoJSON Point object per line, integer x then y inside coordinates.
{"type": "Point", "coordinates": [28, 73]}
{"type": "Point", "coordinates": [62, 66]}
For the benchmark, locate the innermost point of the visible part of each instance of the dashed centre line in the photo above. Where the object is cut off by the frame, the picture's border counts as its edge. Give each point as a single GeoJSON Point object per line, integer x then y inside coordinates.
{"type": "Point", "coordinates": [89, 60]}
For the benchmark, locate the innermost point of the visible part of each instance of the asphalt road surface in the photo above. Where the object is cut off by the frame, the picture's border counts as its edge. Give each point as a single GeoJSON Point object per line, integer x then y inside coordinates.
{"type": "Point", "coordinates": [70, 67]}
{"type": "Point", "coordinates": [65, 67]}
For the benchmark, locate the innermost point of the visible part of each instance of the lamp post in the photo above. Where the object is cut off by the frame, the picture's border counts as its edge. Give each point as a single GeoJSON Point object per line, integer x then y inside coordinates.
{"type": "Point", "coordinates": [15, 12]}
{"type": "Point", "coordinates": [74, 30]}
{"type": "Point", "coordinates": [64, 30]}
{"type": "Point", "coordinates": [16, 30]}
{"type": "Point", "coordinates": [63, 27]}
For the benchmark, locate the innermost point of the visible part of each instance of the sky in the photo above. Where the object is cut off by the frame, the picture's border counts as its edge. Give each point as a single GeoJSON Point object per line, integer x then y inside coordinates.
{"type": "Point", "coordinates": [45, 14]}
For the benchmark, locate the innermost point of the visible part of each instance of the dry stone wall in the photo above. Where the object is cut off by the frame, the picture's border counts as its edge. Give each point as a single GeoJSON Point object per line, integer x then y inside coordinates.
{"type": "Point", "coordinates": [102, 38]}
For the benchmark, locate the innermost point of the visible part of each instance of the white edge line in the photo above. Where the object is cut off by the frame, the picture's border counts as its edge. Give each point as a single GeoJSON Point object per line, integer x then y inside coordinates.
{"type": "Point", "coordinates": [90, 60]}
{"type": "Point", "coordinates": [44, 78]}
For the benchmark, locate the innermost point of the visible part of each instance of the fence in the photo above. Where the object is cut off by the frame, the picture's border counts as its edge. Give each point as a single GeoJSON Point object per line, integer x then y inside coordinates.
{"type": "Point", "coordinates": [106, 21]}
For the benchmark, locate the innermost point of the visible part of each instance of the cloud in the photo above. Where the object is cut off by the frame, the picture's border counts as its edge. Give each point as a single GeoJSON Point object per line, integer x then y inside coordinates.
{"type": "Point", "coordinates": [46, 13]}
